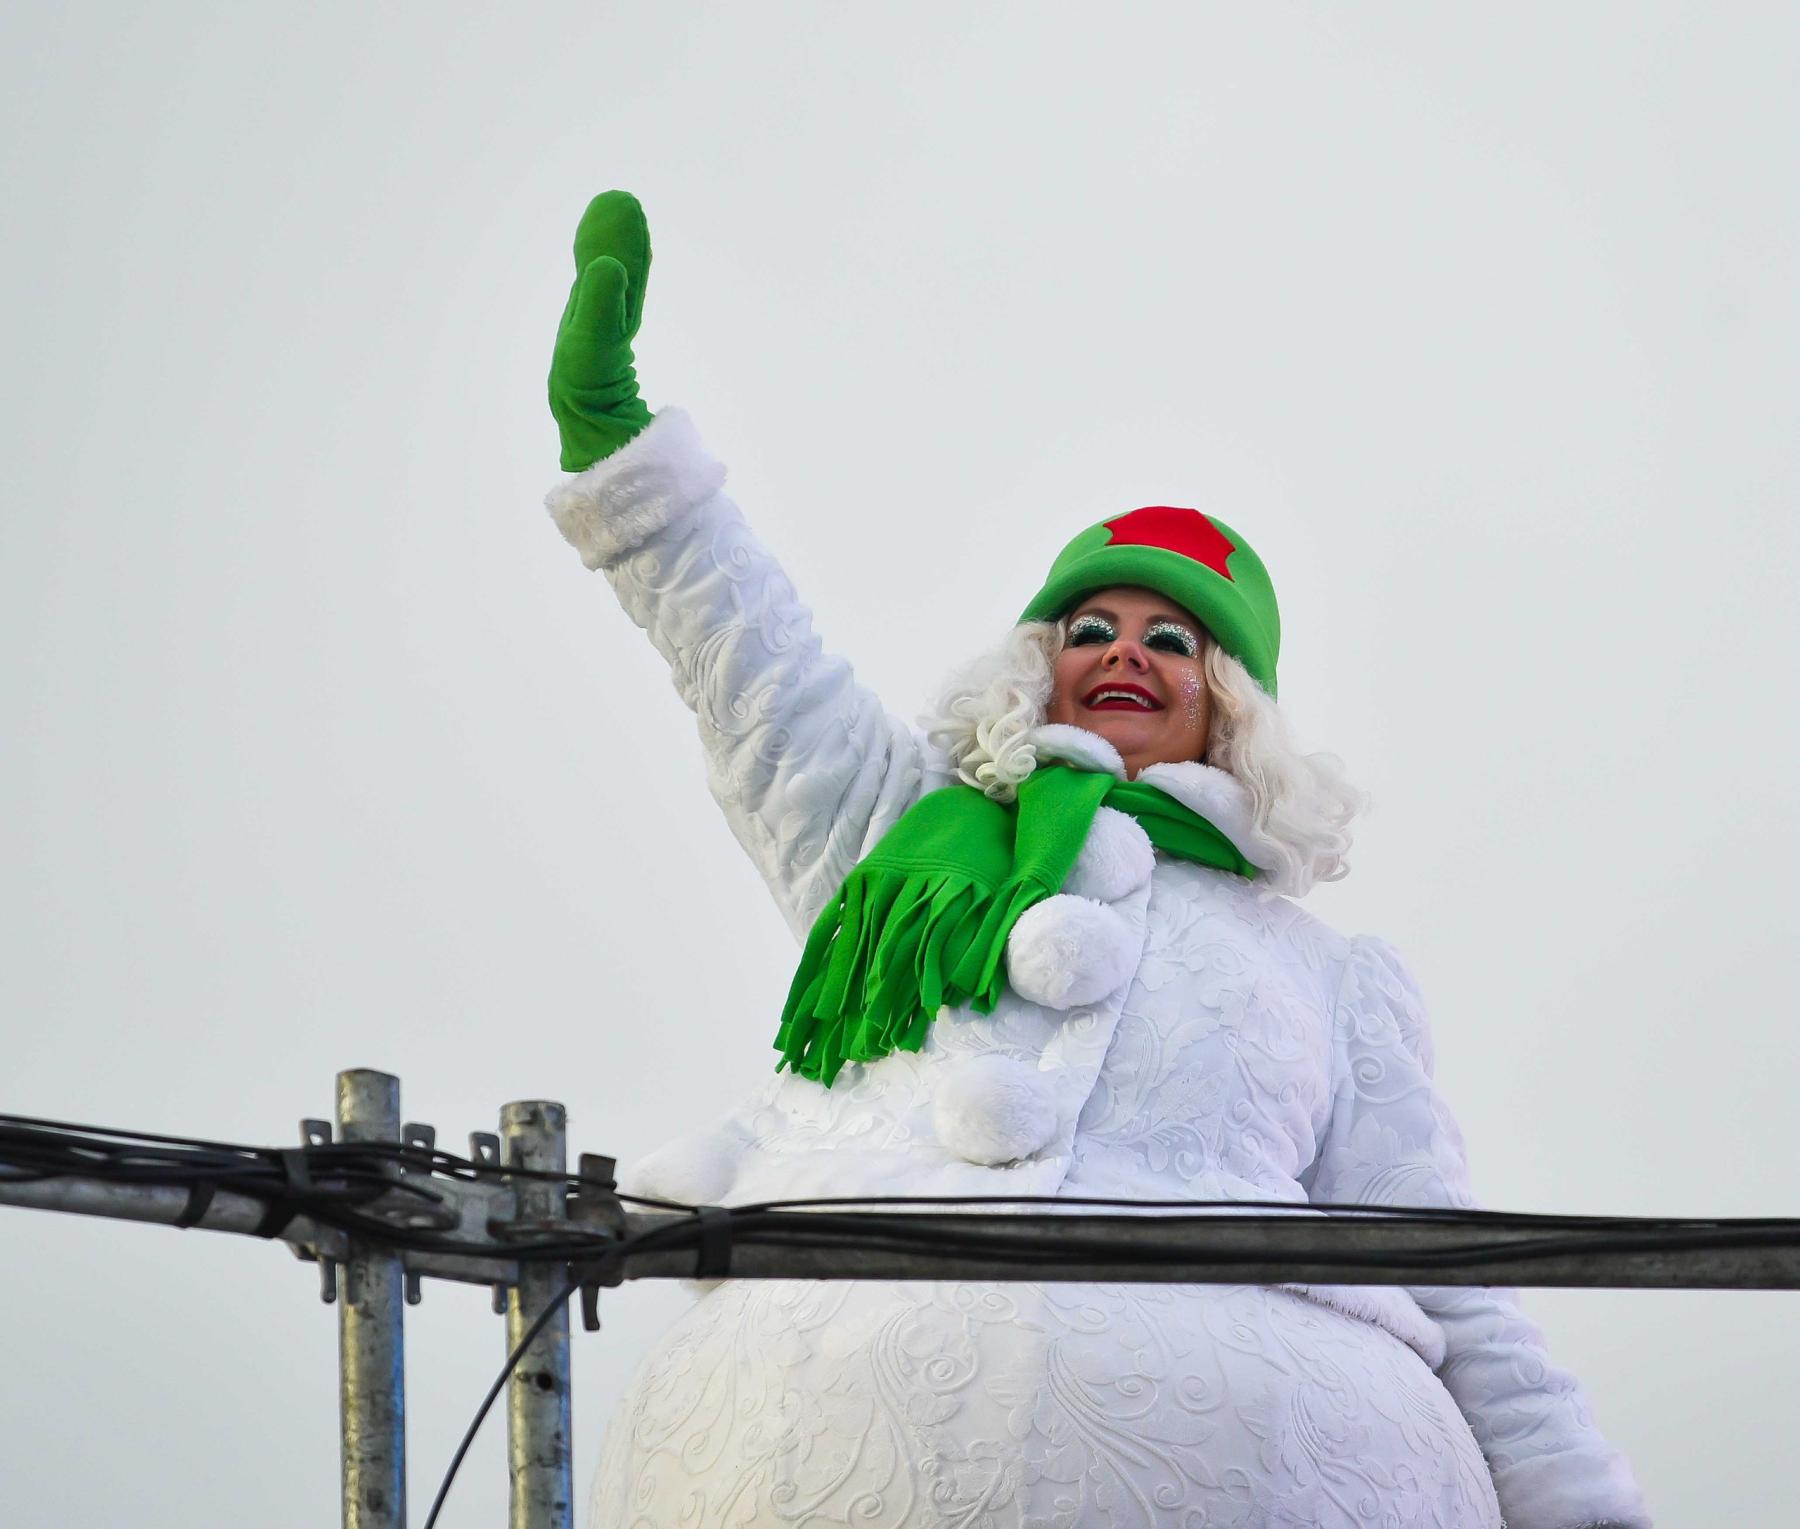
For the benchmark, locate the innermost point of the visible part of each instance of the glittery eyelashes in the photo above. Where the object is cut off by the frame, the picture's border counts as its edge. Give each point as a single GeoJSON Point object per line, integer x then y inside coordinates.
{"type": "Point", "coordinates": [1087, 629]}
{"type": "Point", "coordinates": [1180, 639]}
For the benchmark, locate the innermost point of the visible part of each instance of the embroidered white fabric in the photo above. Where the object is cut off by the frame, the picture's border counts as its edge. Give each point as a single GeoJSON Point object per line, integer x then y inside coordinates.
{"type": "Point", "coordinates": [917, 1406]}
{"type": "Point", "coordinates": [1253, 1054]}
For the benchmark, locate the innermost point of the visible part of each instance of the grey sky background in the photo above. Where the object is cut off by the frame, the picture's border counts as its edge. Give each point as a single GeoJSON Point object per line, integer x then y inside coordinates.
{"type": "Point", "coordinates": [319, 749]}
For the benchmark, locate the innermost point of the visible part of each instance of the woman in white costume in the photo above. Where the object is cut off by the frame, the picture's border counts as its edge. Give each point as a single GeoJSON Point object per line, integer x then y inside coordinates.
{"type": "Point", "coordinates": [1126, 1003]}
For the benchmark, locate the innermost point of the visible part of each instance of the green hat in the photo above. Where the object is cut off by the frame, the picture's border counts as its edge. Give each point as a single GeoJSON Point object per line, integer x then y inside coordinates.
{"type": "Point", "coordinates": [1191, 558]}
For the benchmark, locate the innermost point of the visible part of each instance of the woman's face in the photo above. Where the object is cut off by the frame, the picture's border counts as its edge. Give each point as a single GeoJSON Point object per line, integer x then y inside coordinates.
{"type": "Point", "coordinates": [1132, 670]}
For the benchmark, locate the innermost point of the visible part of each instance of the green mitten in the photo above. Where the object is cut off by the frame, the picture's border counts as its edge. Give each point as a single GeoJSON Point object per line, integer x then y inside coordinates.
{"type": "Point", "coordinates": [593, 387]}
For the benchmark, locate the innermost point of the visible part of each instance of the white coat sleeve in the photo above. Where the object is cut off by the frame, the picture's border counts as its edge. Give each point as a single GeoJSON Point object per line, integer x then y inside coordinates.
{"type": "Point", "coordinates": [808, 767]}
{"type": "Point", "coordinates": [1391, 1140]}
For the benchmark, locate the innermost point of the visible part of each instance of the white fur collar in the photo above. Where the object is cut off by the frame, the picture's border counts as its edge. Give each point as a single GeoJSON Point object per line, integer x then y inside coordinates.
{"type": "Point", "coordinates": [1217, 795]}
{"type": "Point", "coordinates": [1076, 746]}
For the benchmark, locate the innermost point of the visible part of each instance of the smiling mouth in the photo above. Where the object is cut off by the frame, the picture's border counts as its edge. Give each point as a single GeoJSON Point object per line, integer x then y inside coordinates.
{"type": "Point", "coordinates": [1120, 698]}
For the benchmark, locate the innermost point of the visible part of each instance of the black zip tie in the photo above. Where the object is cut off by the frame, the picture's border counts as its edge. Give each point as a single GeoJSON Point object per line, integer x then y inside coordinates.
{"type": "Point", "coordinates": [284, 1207]}
{"type": "Point", "coordinates": [199, 1198]}
{"type": "Point", "coordinates": [714, 1261]}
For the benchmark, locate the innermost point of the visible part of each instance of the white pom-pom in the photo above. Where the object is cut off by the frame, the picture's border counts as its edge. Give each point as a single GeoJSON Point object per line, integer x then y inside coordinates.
{"type": "Point", "coordinates": [1115, 861]}
{"type": "Point", "coordinates": [1067, 951]}
{"type": "Point", "coordinates": [993, 1109]}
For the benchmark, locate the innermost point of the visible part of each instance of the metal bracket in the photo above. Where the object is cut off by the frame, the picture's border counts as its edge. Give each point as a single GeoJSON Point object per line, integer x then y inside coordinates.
{"type": "Point", "coordinates": [484, 1148]}
{"type": "Point", "coordinates": [417, 1137]}
{"type": "Point", "coordinates": [317, 1133]}
{"type": "Point", "coordinates": [594, 1203]}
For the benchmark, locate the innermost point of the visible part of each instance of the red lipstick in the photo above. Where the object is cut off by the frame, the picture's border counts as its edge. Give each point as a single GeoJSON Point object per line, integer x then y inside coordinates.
{"type": "Point", "coordinates": [1121, 695]}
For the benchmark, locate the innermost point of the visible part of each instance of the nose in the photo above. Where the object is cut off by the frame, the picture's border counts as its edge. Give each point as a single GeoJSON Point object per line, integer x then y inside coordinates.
{"type": "Point", "coordinates": [1126, 654]}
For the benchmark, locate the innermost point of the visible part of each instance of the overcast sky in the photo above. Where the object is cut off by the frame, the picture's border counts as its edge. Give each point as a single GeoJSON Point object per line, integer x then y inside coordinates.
{"type": "Point", "coordinates": [319, 749]}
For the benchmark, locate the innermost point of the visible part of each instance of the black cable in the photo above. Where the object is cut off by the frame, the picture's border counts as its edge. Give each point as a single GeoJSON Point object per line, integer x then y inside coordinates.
{"type": "Point", "coordinates": [539, 1323]}
{"type": "Point", "coordinates": [75, 1129]}
{"type": "Point", "coordinates": [343, 1179]}
{"type": "Point", "coordinates": [986, 1241]}
{"type": "Point", "coordinates": [350, 1159]}
{"type": "Point", "coordinates": [990, 1239]}
{"type": "Point", "coordinates": [1360, 1208]}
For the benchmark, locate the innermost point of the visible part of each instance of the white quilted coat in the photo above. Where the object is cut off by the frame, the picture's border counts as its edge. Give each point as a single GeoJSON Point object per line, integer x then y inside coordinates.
{"type": "Point", "coordinates": [1168, 1033]}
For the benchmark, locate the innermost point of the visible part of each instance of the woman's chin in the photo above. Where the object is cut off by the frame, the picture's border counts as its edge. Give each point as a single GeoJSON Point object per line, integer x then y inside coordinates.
{"type": "Point", "coordinates": [1128, 733]}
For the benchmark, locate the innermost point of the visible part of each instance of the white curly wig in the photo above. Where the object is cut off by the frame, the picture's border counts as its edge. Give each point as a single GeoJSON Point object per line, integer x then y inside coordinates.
{"type": "Point", "coordinates": [1301, 804]}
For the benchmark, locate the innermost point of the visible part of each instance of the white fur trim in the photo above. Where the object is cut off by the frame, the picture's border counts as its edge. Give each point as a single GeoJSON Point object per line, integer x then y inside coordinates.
{"type": "Point", "coordinates": [1573, 1486]}
{"type": "Point", "coordinates": [1219, 797]}
{"type": "Point", "coordinates": [993, 1109]}
{"type": "Point", "coordinates": [1069, 951]}
{"type": "Point", "coordinates": [1388, 1307]}
{"type": "Point", "coordinates": [1115, 861]}
{"type": "Point", "coordinates": [1076, 746]}
{"type": "Point", "coordinates": [696, 1169]}
{"type": "Point", "coordinates": [622, 501]}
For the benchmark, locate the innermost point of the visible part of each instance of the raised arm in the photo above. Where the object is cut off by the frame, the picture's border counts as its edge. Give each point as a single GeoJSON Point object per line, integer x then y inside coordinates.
{"type": "Point", "coordinates": [806, 764]}
{"type": "Point", "coordinates": [1392, 1140]}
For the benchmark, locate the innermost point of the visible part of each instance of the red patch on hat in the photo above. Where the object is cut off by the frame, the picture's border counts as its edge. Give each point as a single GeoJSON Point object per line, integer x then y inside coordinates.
{"type": "Point", "coordinates": [1187, 532]}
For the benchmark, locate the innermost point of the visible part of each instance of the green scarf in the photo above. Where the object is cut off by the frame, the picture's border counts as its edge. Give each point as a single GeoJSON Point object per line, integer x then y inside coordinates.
{"type": "Point", "coordinates": [922, 920]}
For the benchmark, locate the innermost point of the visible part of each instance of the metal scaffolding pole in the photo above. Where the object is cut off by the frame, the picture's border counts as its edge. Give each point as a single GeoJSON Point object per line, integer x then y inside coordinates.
{"type": "Point", "coordinates": [533, 1135]}
{"type": "Point", "coordinates": [371, 1319]}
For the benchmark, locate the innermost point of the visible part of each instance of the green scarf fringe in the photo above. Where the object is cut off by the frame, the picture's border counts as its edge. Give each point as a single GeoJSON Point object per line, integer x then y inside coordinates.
{"type": "Point", "coordinates": [890, 950]}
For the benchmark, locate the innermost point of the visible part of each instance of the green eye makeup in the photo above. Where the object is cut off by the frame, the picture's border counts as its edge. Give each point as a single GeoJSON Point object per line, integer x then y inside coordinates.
{"type": "Point", "coordinates": [1089, 629]}
{"type": "Point", "coordinates": [1171, 637]}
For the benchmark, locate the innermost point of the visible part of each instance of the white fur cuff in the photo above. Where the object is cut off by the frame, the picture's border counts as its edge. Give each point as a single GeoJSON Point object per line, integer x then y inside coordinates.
{"type": "Point", "coordinates": [993, 1109]}
{"type": "Point", "coordinates": [696, 1169]}
{"type": "Point", "coordinates": [1584, 1486]}
{"type": "Point", "coordinates": [1068, 951]}
{"type": "Point", "coordinates": [622, 501]}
